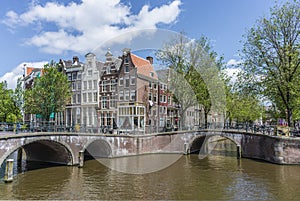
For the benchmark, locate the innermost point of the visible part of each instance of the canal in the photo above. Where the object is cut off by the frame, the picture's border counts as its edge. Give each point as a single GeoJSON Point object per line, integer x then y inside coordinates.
{"type": "Point", "coordinates": [216, 177]}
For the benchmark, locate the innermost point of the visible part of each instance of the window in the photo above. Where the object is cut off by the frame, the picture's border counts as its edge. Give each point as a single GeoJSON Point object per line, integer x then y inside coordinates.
{"type": "Point", "coordinates": [169, 100]}
{"type": "Point", "coordinates": [90, 84]}
{"type": "Point", "coordinates": [121, 95]}
{"type": "Point", "coordinates": [102, 119]}
{"type": "Point", "coordinates": [95, 84]}
{"type": "Point", "coordinates": [79, 86]}
{"type": "Point", "coordinates": [108, 119]}
{"type": "Point", "coordinates": [108, 70]}
{"type": "Point", "coordinates": [84, 97]}
{"type": "Point", "coordinates": [73, 86]}
{"type": "Point", "coordinates": [154, 98]}
{"type": "Point", "coordinates": [89, 97]}
{"type": "Point", "coordinates": [113, 85]}
{"type": "Point", "coordinates": [165, 100]}
{"type": "Point", "coordinates": [79, 98]}
{"type": "Point", "coordinates": [79, 76]}
{"type": "Point", "coordinates": [84, 85]}
{"type": "Point", "coordinates": [95, 96]}
{"type": "Point", "coordinates": [154, 86]}
{"type": "Point", "coordinates": [104, 102]}
{"type": "Point", "coordinates": [132, 95]}
{"type": "Point", "coordinates": [151, 74]}
{"type": "Point", "coordinates": [126, 68]}
{"type": "Point", "coordinates": [69, 76]}
{"type": "Point", "coordinates": [127, 95]}
{"type": "Point", "coordinates": [74, 98]}
{"type": "Point", "coordinates": [132, 81]}
{"type": "Point", "coordinates": [127, 82]}
{"type": "Point", "coordinates": [121, 82]}
{"type": "Point", "coordinates": [150, 85]}
{"type": "Point", "coordinates": [74, 76]}
{"type": "Point", "coordinates": [90, 72]}
{"type": "Point", "coordinates": [104, 85]}
{"type": "Point", "coordinates": [150, 96]}
{"type": "Point", "coordinates": [113, 101]}
{"type": "Point", "coordinates": [161, 98]}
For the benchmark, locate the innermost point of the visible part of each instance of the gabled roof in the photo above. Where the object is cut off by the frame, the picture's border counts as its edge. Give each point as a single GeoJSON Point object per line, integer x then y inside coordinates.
{"type": "Point", "coordinates": [143, 66]}
{"type": "Point", "coordinates": [138, 61]}
{"type": "Point", "coordinates": [31, 69]}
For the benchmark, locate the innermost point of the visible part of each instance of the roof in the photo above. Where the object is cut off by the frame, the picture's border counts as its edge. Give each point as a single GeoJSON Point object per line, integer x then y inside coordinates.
{"type": "Point", "coordinates": [31, 69]}
{"type": "Point", "coordinates": [143, 66]}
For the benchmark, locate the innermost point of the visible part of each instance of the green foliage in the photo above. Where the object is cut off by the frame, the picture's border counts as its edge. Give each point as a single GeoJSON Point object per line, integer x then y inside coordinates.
{"type": "Point", "coordinates": [271, 58]}
{"type": "Point", "coordinates": [243, 107]}
{"type": "Point", "coordinates": [9, 111]}
{"type": "Point", "coordinates": [50, 92]}
{"type": "Point", "coordinates": [194, 76]}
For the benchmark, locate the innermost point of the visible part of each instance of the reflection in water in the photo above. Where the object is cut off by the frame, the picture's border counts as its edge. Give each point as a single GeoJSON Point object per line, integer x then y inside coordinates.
{"type": "Point", "coordinates": [213, 178]}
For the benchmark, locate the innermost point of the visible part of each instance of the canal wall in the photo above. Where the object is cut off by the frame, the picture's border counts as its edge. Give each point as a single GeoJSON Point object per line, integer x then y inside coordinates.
{"type": "Point", "coordinates": [65, 147]}
{"type": "Point", "coordinates": [274, 149]}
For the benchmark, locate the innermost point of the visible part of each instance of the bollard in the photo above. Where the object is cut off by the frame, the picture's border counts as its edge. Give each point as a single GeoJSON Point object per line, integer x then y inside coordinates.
{"type": "Point", "coordinates": [186, 148]}
{"type": "Point", "coordinates": [8, 177]}
{"type": "Point", "coordinates": [20, 156]}
{"type": "Point", "coordinates": [238, 152]}
{"type": "Point", "coordinates": [81, 159]}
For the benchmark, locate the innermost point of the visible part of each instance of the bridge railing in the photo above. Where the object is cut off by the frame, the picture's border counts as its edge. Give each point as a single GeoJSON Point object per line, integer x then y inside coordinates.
{"type": "Point", "coordinates": [18, 127]}
{"type": "Point", "coordinates": [265, 129]}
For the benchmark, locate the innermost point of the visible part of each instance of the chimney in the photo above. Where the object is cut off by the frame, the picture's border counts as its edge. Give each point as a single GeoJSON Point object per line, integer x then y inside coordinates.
{"type": "Point", "coordinates": [150, 59]}
{"type": "Point", "coordinates": [75, 59]}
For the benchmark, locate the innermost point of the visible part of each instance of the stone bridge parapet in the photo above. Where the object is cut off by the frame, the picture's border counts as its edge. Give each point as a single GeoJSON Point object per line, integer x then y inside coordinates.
{"type": "Point", "coordinates": [65, 147]}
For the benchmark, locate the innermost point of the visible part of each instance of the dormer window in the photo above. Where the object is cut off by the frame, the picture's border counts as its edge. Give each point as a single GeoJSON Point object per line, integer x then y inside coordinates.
{"type": "Point", "coordinates": [151, 74]}
{"type": "Point", "coordinates": [108, 70]}
{"type": "Point", "coordinates": [126, 68]}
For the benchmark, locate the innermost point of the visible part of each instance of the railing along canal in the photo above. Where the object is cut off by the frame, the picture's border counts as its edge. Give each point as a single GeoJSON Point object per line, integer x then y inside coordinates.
{"type": "Point", "coordinates": [8, 127]}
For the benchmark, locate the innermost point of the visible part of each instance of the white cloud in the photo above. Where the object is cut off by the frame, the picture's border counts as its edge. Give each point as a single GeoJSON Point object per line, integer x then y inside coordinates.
{"type": "Point", "coordinates": [12, 77]}
{"type": "Point", "coordinates": [80, 27]}
{"type": "Point", "coordinates": [232, 73]}
{"type": "Point", "coordinates": [233, 62]}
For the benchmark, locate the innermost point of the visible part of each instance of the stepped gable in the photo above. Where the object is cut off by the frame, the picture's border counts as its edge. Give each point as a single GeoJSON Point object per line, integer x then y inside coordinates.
{"type": "Point", "coordinates": [143, 66]}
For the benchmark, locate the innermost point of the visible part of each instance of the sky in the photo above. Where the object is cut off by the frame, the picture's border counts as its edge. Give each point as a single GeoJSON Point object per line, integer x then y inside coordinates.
{"type": "Point", "coordinates": [34, 32]}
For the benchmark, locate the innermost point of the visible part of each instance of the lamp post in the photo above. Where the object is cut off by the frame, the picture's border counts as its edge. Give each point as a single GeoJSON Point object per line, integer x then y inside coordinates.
{"type": "Point", "coordinates": [24, 87]}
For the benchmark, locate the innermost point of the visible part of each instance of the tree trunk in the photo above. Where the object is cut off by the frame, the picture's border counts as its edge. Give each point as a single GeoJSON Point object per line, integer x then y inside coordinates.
{"type": "Point", "coordinates": [289, 116]}
{"type": "Point", "coordinates": [205, 120]}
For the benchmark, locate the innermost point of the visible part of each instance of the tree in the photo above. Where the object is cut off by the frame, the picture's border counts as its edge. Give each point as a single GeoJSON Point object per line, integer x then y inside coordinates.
{"type": "Point", "coordinates": [9, 112]}
{"type": "Point", "coordinates": [19, 94]}
{"type": "Point", "coordinates": [49, 94]}
{"type": "Point", "coordinates": [194, 77]}
{"type": "Point", "coordinates": [271, 58]}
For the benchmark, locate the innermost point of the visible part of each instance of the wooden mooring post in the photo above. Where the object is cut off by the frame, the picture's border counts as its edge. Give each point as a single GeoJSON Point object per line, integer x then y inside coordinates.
{"type": "Point", "coordinates": [81, 159]}
{"type": "Point", "coordinates": [238, 152]}
{"type": "Point", "coordinates": [9, 173]}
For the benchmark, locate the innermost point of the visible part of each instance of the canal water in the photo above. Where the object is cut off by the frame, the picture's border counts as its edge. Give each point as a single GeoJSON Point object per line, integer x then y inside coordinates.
{"type": "Point", "coordinates": [216, 177]}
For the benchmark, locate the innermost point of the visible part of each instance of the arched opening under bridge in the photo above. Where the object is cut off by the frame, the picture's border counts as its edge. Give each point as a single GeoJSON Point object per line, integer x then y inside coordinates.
{"type": "Point", "coordinates": [214, 145]}
{"type": "Point", "coordinates": [97, 149]}
{"type": "Point", "coordinates": [38, 154]}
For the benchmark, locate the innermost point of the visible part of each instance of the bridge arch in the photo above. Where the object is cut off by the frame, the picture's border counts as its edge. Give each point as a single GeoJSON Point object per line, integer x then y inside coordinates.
{"type": "Point", "coordinates": [201, 142]}
{"type": "Point", "coordinates": [98, 148]}
{"type": "Point", "coordinates": [46, 150]}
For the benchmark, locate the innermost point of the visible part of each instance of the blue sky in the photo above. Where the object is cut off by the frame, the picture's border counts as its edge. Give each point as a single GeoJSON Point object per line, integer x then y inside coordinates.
{"type": "Point", "coordinates": [34, 32]}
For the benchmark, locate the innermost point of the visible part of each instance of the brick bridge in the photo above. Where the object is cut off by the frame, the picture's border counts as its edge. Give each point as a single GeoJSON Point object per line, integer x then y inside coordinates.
{"type": "Point", "coordinates": [65, 148]}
